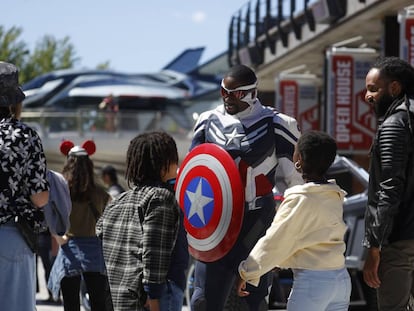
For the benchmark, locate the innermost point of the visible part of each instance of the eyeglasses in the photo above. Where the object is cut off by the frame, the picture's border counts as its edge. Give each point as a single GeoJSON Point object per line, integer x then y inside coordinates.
{"type": "Point", "coordinates": [239, 92]}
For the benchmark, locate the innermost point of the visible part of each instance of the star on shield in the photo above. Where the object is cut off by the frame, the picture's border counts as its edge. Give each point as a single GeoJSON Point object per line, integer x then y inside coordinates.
{"type": "Point", "coordinates": [197, 202]}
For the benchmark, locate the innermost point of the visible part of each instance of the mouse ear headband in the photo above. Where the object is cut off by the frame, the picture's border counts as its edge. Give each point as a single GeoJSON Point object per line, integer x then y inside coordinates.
{"type": "Point", "coordinates": [68, 148]}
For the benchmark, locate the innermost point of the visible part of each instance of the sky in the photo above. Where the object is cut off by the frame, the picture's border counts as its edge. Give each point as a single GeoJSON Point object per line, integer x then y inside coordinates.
{"type": "Point", "coordinates": [135, 36]}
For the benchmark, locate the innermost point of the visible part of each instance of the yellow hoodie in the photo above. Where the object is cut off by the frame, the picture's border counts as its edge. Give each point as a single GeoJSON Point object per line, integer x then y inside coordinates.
{"type": "Point", "coordinates": [306, 233]}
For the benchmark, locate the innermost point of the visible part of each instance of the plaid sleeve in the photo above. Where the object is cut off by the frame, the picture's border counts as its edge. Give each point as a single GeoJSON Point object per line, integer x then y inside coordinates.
{"type": "Point", "coordinates": [160, 232]}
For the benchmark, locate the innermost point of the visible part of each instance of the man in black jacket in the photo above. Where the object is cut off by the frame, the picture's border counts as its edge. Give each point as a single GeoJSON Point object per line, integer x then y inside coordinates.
{"type": "Point", "coordinates": [389, 218]}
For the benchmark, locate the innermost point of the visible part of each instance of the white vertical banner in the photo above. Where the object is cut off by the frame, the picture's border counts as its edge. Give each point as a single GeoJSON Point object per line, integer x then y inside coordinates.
{"type": "Point", "coordinates": [350, 120]}
{"type": "Point", "coordinates": [297, 95]}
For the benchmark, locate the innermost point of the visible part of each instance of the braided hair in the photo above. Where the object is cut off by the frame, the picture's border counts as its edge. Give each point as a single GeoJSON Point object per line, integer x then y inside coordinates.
{"type": "Point", "coordinates": [148, 156]}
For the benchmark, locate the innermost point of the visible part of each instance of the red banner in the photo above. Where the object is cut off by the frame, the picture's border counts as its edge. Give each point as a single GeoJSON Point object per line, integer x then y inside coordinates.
{"type": "Point", "coordinates": [289, 97]}
{"type": "Point", "coordinates": [351, 121]}
{"type": "Point", "coordinates": [298, 97]}
{"type": "Point", "coordinates": [409, 40]}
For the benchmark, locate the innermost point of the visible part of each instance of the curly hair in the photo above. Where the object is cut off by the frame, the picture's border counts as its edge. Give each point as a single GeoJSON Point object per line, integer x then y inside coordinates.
{"type": "Point", "coordinates": [318, 151]}
{"type": "Point", "coordinates": [79, 173]}
{"type": "Point", "coordinates": [392, 68]}
{"type": "Point", "coordinates": [148, 156]}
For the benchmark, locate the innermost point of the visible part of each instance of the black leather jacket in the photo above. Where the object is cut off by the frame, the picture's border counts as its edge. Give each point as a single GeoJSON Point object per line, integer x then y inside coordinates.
{"type": "Point", "coordinates": [389, 215]}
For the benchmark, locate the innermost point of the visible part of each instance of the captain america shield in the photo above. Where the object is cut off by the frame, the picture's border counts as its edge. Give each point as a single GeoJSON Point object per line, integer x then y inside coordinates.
{"type": "Point", "coordinates": [210, 192]}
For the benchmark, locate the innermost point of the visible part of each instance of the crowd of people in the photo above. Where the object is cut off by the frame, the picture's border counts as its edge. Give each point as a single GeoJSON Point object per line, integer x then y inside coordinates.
{"type": "Point", "coordinates": [131, 245]}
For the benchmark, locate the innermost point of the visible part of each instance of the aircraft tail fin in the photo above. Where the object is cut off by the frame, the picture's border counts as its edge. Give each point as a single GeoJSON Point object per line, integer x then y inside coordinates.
{"type": "Point", "coordinates": [186, 61]}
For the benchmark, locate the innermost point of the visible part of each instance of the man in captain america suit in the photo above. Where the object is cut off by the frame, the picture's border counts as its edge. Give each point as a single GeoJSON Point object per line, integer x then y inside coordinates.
{"type": "Point", "coordinates": [261, 141]}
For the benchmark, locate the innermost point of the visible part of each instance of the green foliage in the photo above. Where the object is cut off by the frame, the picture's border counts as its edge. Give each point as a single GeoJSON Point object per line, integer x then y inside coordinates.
{"type": "Point", "coordinates": [12, 49]}
{"type": "Point", "coordinates": [49, 54]}
{"type": "Point", "coordinates": [103, 66]}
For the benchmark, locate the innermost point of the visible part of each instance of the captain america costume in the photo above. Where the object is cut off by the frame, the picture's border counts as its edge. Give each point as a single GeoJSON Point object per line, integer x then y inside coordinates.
{"type": "Point", "coordinates": [261, 141]}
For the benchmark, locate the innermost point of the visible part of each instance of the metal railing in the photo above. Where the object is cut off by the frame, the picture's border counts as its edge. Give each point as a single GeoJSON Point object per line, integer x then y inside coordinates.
{"type": "Point", "coordinates": [86, 121]}
{"type": "Point", "coordinates": [111, 132]}
{"type": "Point", "coordinates": [260, 23]}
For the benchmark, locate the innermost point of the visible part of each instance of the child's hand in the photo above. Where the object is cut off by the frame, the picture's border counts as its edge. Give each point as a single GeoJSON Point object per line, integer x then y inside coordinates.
{"type": "Point", "coordinates": [61, 240]}
{"type": "Point", "coordinates": [241, 288]}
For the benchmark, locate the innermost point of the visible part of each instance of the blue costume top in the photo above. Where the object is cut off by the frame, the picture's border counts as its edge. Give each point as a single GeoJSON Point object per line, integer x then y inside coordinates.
{"type": "Point", "coordinates": [261, 141]}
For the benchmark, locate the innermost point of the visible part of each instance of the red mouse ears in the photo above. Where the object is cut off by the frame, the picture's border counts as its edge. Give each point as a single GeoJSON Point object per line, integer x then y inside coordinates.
{"type": "Point", "coordinates": [68, 148]}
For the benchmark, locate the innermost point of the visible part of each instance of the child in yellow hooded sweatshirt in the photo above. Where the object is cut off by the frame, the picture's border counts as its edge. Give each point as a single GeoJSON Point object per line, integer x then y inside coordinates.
{"type": "Point", "coordinates": [307, 234]}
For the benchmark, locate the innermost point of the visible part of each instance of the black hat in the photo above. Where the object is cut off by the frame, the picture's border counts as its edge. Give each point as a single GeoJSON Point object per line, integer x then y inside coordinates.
{"type": "Point", "coordinates": [10, 91]}
{"type": "Point", "coordinates": [108, 169]}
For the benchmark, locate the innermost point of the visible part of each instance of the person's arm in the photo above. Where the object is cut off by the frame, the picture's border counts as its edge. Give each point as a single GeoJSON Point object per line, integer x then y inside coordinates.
{"type": "Point", "coordinates": [199, 130]}
{"type": "Point", "coordinates": [393, 146]}
{"type": "Point", "coordinates": [241, 287]}
{"type": "Point", "coordinates": [370, 271]}
{"type": "Point", "coordinates": [154, 304]}
{"type": "Point", "coordinates": [278, 244]}
{"type": "Point", "coordinates": [160, 231]}
{"type": "Point", "coordinates": [38, 183]}
{"type": "Point", "coordinates": [40, 199]}
{"type": "Point", "coordinates": [61, 239]}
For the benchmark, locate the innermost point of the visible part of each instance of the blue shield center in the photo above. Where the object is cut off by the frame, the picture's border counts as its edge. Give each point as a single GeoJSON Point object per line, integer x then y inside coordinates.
{"type": "Point", "coordinates": [199, 202]}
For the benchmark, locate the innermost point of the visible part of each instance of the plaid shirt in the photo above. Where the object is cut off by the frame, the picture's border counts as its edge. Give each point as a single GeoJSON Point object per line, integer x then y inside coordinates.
{"type": "Point", "coordinates": [138, 230]}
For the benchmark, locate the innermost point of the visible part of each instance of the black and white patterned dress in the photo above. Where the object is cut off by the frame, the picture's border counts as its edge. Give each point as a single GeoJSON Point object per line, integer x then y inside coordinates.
{"type": "Point", "coordinates": [23, 169]}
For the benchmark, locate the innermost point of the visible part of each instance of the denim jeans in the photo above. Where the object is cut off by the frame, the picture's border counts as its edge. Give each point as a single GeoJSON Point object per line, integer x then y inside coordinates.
{"type": "Point", "coordinates": [172, 299]}
{"type": "Point", "coordinates": [320, 290]}
{"type": "Point", "coordinates": [17, 271]}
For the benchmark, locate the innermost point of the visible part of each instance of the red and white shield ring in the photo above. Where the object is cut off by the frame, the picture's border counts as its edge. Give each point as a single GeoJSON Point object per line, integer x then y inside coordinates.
{"type": "Point", "coordinates": [210, 192]}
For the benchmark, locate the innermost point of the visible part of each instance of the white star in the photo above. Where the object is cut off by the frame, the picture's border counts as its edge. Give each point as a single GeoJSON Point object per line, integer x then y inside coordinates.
{"type": "Point", "coordinates": [198, 201]}
{"type": "Point", "coordinates": [234, 137]}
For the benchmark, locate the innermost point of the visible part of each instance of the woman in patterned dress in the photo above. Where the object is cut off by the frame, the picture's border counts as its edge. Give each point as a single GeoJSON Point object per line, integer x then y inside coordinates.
{"type": "Point", "coordinates": [23, 192]}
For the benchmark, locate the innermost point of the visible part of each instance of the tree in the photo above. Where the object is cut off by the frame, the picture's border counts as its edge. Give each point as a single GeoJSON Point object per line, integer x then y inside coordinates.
{"type": "Point", "coordinates": [12, 49]}
{"type": "Point", "coordinates": [103, 66]}
{"type": "Point", "coordinates": [49, 54]}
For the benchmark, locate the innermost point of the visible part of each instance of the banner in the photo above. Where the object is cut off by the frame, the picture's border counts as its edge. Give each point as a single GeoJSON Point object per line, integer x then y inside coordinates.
{"type": "Point", "coordinates": [350, 120]}
{"type": "Point", "coordinates": [406, 20]}
{"type": "Point", "coordinates": [297, 95]}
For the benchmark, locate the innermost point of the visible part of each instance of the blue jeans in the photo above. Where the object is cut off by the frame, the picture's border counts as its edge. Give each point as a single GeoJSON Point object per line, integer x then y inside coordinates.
{"type": "Point", "coordinates": [172, 298]}
{"type": "Point", "coordinates": [17, 271]}
{"type": "Point", "coordinates": [323, 290]}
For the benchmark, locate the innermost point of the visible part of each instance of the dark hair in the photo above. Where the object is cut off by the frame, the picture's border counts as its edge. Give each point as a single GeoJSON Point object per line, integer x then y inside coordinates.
{"type": "Point", "coordinates": [318, 151]}
{"type": "Point", "coordinates": [5, 112]}
{"type": "Point", "coordinates": [111, 172]}
{"type": "Point", "coordinates": [148, 155]}
{"type": "Point", "coordinates": [242, 73]}
{"type": "Point", "coordinates": [392, 68]}
{"type": "Point", "coordinates": [78, 171]}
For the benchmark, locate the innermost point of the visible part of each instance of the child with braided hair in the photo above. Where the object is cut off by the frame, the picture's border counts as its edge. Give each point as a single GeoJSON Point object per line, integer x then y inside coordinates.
{"type": "Point", "coordinates": [139, 229]}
